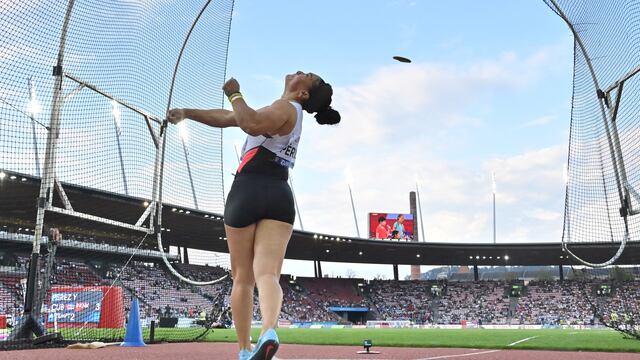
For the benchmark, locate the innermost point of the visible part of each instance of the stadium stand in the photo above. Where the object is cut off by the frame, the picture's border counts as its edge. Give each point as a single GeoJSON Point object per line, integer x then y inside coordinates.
{"type": "Point", "coordinates": [484, 302]}
{"type": "Point", "coordinates": [402, 300]}
{"type": "Point", "coordinates": [11, 299]}
{"type": "Point", "coordinates": [542, 302]}
{"type": "Point", "coordinates": [163, 296]}
{"type": "Point", "coordinates": [625, 299]}
{"type": "Point", "coordinates": [548, 303]}
{"type": "Point", "coordinates": [297, 305]}
{"type": "Point", "coordinates": [329, 292]}
{"type": "Point", "coordinates": [74, 272]}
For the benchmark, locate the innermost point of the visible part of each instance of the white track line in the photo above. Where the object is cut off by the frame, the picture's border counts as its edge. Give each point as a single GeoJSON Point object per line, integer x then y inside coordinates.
{"type": "Point", "coordinates": [431, 358]}
{"type": "Point", "coordinates": [523, 340]}
{"type": "Point", "coordinates": [460, 355]}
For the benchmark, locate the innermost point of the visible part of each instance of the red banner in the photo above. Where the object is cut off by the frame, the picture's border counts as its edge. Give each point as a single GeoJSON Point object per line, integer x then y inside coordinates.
{"type": "Point", "coordinates": [65, 308]}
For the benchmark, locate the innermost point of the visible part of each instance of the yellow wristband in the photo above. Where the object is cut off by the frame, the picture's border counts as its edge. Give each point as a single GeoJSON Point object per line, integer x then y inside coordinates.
{"type": "Point", "coordinates": [235, 96]}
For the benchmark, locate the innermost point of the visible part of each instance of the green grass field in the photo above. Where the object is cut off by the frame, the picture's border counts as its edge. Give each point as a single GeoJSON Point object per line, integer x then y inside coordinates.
{"type": "Point", "coordinates": [574, 340]}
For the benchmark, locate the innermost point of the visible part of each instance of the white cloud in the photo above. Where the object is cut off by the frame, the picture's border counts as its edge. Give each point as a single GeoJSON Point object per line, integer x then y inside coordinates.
{"type": "Point", "coordinates": [543, 120]}
{"type": "Point", "coordinates": [427, 97]}
{"type": "Point", "coordinates": [456, 197]}
{"type": "Point", "coordinates": [545, 215]}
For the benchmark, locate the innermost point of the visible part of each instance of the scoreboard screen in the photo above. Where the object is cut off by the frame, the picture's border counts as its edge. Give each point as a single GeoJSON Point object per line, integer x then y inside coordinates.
{"type": "Point", "coordinates": [604, 290]}
{"type": "Point", "coordinates": [515, 291]}
{"type": "Point", "coordinates": [390, 226]}
{"type": "Point", "coordinates": [74, 307]}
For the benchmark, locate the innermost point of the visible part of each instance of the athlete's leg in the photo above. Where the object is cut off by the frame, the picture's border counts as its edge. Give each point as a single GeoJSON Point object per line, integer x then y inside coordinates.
{"type": "Point", "coordinates": [241, 242]}
{"type": "Point", "coordinates": [271, 239]}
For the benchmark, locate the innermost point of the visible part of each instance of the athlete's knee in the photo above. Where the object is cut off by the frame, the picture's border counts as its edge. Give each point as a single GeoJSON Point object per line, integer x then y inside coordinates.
{"type": "Point", "coordinates": [243, 278]}
{"type": "Point", "coordinates": [267, 277]}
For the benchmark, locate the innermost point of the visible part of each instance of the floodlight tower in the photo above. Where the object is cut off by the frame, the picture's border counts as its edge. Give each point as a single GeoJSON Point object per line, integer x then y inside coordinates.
{"type": "Point", "coordinates": [34, 109]}
{"type": "Point", "coordinates": [184, 134]}
{"type": "Point", "coordinates": [349, 179]}
{"type": "Point", "coordinates": [117, 122]}
{"type": "Point", "coordinates": [493, 181]}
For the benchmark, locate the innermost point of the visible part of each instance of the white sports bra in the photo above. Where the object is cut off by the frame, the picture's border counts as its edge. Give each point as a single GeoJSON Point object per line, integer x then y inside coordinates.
{"type": "Point", "coordinates": [285, 147]}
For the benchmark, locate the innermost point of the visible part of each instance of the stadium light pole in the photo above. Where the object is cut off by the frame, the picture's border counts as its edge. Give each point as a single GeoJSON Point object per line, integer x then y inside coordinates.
{"type": "Point", "coordinates": [182, 128]}
{"type": "Point", "coordinates": [348, 179]}
{"type": "Point", "coordinates": [34, 109]}
{"type": "Point", "coordinates": [235, 147]}
{"type": "Point", "coordinates": [115, 110]}
{"type": "Point", "coordinates": [295, 202]}
{"type": "Point", "coordinates": [353, 208]}
{"type": "Point", "coordinates": [493, 181]}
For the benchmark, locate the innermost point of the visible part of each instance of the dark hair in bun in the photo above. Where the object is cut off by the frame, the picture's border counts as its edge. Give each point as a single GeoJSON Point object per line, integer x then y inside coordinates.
{"type": "Point", "coordinates": [319, 102]}
{"type": "Point", "coordinates": [328, 116]}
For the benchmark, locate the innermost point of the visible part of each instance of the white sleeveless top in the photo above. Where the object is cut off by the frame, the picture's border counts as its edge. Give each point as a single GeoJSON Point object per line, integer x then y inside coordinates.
{"type": "Point", "coordinates": [284, 146]}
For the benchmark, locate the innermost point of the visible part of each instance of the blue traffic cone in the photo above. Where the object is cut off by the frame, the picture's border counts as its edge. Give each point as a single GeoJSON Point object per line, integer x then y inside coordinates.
{"type": "Point", "coordinates": [133, 336]}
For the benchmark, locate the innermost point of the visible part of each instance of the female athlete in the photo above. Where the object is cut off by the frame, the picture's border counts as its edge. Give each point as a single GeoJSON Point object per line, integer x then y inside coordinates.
{"type": "Point", "coordinates": [259, 212]}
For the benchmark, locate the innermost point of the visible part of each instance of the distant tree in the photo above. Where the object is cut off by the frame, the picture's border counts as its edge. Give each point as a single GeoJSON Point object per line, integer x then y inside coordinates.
{"type": "Point", "coordinates": [578, 274]}
{"type": "Point", "coordinates": [380, 277]}
{"type": "Point", "coordinates": [510, 276]}
{"type": "Point", "coordinates": [544, 275]}
{"type": "Point", "coordinates": [620, 274]}
{"type": "Point", "coordinates": [350, 274]}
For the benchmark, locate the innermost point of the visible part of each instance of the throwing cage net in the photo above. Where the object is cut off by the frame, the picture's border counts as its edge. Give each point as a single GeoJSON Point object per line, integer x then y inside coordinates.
{"type": "Point", "coordinates": [602, 200]}
{"type": "Point", "coordinates": [603, 177]}
{"type": "Point", "coordinates": [100, 200]}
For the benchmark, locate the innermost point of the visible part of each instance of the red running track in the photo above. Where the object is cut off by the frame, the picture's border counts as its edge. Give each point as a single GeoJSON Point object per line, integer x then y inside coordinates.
{"type": "Point", "coordinates": [223, 351]}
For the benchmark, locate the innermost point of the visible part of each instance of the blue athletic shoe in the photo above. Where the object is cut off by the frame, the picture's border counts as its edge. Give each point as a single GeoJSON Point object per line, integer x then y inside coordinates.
{"type": "Point", "coordinates": [244, 354]}
{"type": "Point", "coordinates": [266, 347]}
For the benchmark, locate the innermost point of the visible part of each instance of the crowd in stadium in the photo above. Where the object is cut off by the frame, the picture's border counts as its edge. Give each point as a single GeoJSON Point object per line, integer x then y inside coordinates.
{"type": "Point", "coordinates": [484, 302]}
{"type": "Point", "coordinates": [297, 305]}
{"type": "Point", "coordinates": [402, 300]}
{"type": "Point", "coordinates": [334, 293]}
{"type": "Point", "coordinates": [310, 299]}
{"type": "Point", "coordinates": [549, 302]}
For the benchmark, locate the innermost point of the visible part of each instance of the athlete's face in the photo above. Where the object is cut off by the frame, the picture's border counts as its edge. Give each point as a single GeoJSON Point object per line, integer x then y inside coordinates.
{"type": "Point", "coordinates": [301, 81]}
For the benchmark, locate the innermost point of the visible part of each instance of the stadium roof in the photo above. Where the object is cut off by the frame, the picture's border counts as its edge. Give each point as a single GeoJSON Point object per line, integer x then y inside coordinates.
{"type": "Point", "coordinates": [201, 230]}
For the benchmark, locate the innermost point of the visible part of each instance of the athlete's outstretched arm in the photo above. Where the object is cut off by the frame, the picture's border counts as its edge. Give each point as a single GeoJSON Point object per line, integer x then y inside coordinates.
{"type": "Point", "coordinates": [262, 121]}
{"type": "Point", "coordinates": [219, 118]}
{"type": "Point", "coordinates": [266, 120]}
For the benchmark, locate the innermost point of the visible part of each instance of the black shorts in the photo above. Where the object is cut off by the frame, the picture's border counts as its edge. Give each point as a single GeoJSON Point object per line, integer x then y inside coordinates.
{"type": "Point", "coordinates": [255, 197]}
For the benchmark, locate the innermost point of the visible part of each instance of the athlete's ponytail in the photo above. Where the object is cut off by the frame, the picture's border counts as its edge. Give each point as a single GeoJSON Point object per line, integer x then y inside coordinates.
{"type": "Point", "coordinates": [319, 102]}
{"type": "Point", "coordinates": [327, 116]}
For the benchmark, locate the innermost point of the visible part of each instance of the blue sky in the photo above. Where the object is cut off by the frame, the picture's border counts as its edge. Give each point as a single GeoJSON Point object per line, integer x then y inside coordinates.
{"type": "Point", "coordinates": [489, 89]}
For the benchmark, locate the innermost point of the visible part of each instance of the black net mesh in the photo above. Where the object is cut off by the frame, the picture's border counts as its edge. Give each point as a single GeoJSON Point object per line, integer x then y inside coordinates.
{"type": "Point", "coordinates": [604, 163]}
{"type": "Point", "coordinates": [603, 169]}
{"type": "Point", "coordinates": [117, 67]}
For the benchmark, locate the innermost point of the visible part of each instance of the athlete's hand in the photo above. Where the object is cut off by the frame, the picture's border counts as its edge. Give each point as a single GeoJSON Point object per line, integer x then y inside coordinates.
{"type": "Point", "coordinates": [174, 116]}
{"type": "Point", "coordinates": [231, 86]}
